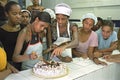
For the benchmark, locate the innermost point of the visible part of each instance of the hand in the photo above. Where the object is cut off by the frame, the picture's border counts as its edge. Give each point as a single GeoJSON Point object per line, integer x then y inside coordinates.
{"type": "Point", "coordinates": [98, 54]}
{"type": "Point", "coordinates": [84, 56]}
{"type": "Point", "coordinates": [33, 56]}
{"type": "Point", "coordinates": [12, 68]}
{"type": "Point", "coordinates": [66, 59]}
{"type": "Point", "coordinates": [97, 61]}
{"type": "Point", "coordinates": [108, 58]}
{"type": "Point", "coordinates": [58, 51]}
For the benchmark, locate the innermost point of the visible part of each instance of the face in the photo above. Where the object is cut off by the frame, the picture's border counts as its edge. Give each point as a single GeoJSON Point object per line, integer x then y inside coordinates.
{"type": "Point", "coordinates": [88, 24]}
{"type": "Point", "coordinates": [106, 32]}
{"type": "Point", "coordinates": [62, 19]}
{"type": "Point", "coordinates": [35, 2]}
{"type": "Point", "coordinates": [40, 26]}
{"type": "Point", "coordinates": [25, 19]}
{"type": "Point", "coordinates": [14, 15]}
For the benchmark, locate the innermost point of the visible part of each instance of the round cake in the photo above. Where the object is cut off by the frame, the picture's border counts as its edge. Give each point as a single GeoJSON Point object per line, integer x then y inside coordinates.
{"type": "Point", "coordinates": [50, 69]}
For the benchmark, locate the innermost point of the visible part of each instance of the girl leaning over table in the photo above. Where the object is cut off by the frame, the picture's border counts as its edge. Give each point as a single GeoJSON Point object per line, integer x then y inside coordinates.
{"type": "Point", "coordinates": [29, 41]}
{"type": "Point", "coordinates": [107, 39]}
{"type": "Point", "coordinates": [115, 57]}
{"type": "Point", "coordinates": [88, 40]}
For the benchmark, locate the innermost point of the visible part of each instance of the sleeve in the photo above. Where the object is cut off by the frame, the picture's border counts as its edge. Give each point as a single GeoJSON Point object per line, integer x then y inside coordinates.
{"type": "Point", "coordinates": [114, 36]}
{"type": "Point", "coordinates": [94, 40]}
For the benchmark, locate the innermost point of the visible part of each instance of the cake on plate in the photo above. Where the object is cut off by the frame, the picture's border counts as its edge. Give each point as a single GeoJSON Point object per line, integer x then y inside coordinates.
{"type": "Point", "coordinates": [51, 69]}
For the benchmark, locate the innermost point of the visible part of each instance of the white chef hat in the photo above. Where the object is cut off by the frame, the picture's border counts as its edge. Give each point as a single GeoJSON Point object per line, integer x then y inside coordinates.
{"type": "Point", "coordinates": [63, 8]}
{"type": "Point", "coordinates": [89, 15]}
{"type": "Point", "coordinates": [51, 12]}
{"type": "Point", "coordinates": [24, 10]}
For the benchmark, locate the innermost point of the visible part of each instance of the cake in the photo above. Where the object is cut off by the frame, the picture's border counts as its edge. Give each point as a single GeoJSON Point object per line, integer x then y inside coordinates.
{"type": "Point", "coordinates": [51, 69]}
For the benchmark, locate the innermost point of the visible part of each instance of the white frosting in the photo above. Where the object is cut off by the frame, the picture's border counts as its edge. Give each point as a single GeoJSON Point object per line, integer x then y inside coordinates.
{"type": "Point", "coordinates": [48, 71]}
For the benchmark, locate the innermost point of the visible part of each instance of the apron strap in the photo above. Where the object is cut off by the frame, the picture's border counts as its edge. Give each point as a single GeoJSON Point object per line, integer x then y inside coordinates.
{"type": "Point", "coordinates": [68, 30]}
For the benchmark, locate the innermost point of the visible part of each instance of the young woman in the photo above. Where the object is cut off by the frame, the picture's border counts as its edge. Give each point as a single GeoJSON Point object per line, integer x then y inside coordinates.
{"type": "Point", "coordinates": [87, 38]}
{"type": "Point", "coordinates": [36, 6]}
{"type": "Point", "coordinates": [29, 41]}
{"type": "Point", "coordinates": [63, 31]}
{"type": "Point", "coordinates": [25, 18]}
{"type": "Point", "coordinates": [10, 30]}
{"type": "Point", "coordinates": [106, 41]}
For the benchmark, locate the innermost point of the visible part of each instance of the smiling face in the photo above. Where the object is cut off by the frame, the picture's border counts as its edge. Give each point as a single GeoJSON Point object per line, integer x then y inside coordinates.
{"type": "Point", "coordinates": [88, 24]}
{"type": "Point", "coordinates": [106, 32]}
{"type": "Point", "coordinates": [14, 14]}
{"type": "Point", "coordinates": [62, 19]}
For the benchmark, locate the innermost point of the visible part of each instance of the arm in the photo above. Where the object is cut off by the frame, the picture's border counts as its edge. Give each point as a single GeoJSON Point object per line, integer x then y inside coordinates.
{"type": "Point", "coordinates": [20, 40]}
{"type": "Point", "coordinates": [49, 37]}
{"type": "Point", "coordinates": [72, 44]}
{"type": "Point", "coordinates": [74, 41]}
{"type": "Point", "coordinates": [90, 52]}
{"type": "Point", "coordinates": [97, 61]}
{"type": "Point", "coordinates": [65, 59]}
{"type": "Point", "coordinates": [9, 69]}
{"type": "Point", "coordinates": [76, 53]}
{"type": "Point", "coordinates": [112, 58]}
{"type": "Point", "coordinates": [4, 73]}
{"type": "Point", "coordinates": [107, 51]}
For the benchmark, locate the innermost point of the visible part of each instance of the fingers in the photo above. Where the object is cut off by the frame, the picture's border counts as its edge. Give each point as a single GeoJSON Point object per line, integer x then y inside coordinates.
{"type": "Point", "coordinates": [106, 57]}
{"type": "Point", "coordinates": [58, 51]}
{"type": "Point", "coordinates": [66, 59]}
{"type": "Point", "coordinates": [14, 70]}
{"type": "Point", "coordinates": [103, 63]}
{"type": "Point", "coordinates": [33, 55]}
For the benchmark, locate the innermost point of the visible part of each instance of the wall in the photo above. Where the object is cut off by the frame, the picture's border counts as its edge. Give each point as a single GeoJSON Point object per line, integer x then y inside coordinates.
{"type": "Point", "coordinates": [103, 8]}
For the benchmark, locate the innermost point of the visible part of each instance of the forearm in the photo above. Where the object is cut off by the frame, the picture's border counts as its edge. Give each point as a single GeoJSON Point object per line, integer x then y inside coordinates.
{"type": "Point", "coordinates": [106, 53]}
{"type": "Point", "coordinates": [116, 56]}
{"type": "Point", "coordinates": [90, 55]}
{"type": "Point", "coordinates": [116, 60]}
{"type": "Point", "coordinates": [74, 41]}
{"type": "Point", "coordinates": [72, 44]}
{"type": "Point", "coordinates": [113, 46]}
{"type": "Point", "coordinates": [49, 37]}
{"type": "Point", "coordinates": [21, 58]}
{"type": "Point", "coordinates": [107, 50]}
{"type": "Point", "coordinates": [76, 53]}
{"type": "Point", "coordinates": [5, 73]}
{"type": "Point", "coordinates": [90, 52]}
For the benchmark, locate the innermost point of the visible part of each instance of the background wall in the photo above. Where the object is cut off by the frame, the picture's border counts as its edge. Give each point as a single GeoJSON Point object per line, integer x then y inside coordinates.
{"type": "Point", "coordinates": [103, 8]}
{"type": "Point", "coordinates": [106, 9]}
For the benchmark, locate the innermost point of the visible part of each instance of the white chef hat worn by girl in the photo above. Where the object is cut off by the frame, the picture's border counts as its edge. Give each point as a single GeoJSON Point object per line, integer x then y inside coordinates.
{"type": "Point", "coordinates": [51, 12]}
{"type": "Point", "coordinates": [24, 10]}
{"type": "Point", "coordinates": [63, 8]}
{"type": "Point", "coordinates": [89, 15]}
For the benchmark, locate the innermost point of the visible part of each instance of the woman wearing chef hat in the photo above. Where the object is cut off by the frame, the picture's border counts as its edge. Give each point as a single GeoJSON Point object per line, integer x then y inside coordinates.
{"type": "Point", "coordinates": [63, 31]}
{"type": "Point", "coordinates": [87, 38]}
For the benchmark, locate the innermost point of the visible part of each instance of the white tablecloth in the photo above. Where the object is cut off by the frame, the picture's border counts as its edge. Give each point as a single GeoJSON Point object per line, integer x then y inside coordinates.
{"type": "Point", "coordinates": [79, 69]}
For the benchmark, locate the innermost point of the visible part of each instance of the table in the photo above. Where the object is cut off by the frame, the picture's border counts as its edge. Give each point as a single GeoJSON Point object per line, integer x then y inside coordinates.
{"type": "Point", "coordinates": [79, 69]}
